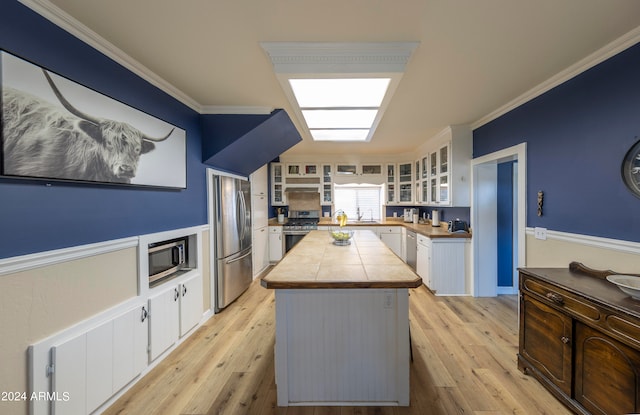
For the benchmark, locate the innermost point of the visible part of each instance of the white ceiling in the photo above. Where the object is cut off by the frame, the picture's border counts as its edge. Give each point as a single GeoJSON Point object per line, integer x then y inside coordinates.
{"type": "Point", "coordinates": [474, 56]}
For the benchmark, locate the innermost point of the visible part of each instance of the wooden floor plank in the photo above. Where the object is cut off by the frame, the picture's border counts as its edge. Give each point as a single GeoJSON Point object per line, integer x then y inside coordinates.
{"type": "Point", "coordinates": [464, 362]}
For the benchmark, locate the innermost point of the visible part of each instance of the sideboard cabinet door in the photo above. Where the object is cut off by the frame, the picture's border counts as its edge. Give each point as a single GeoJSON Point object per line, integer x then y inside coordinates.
{"type": "Point", "coordinates": [546, 341]}
{"type": "Point", "coordinates": [607, 373]}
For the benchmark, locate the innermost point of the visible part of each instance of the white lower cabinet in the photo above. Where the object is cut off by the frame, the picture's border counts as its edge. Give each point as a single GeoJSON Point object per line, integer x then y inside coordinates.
{"type": "Point", "coordinates": [164, 320]}
{"type": "Point", "coordinates": [260, 250]}
{"type": "Point", "coordinates": [173, 311]}
{"type": "Point", "coordinates": [276, 243]}
{"type": "Point", "coordinates": [392, 237]}
{"type": "Point", "coordinates": [89, 368]}
{"type": "Point", "coordinates": [190, 303]}
{"type": "Point", "coordinates": [441, 263]}
{"type": "Point", "coordinates": [423, 259]}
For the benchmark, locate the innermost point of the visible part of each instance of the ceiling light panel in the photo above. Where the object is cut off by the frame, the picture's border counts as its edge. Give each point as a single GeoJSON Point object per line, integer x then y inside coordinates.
{"type": "Point", "coordinates": [350, 92]}
{"type": "Point", "coordinates": [339, 90]}
{"type": "Point", "coordinates": [339, 135]}
{"type": "Point", "coordinates": [350, 118]}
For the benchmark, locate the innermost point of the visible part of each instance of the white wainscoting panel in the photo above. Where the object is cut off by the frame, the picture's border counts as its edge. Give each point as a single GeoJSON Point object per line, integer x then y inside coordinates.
{"type": "Point", "coordinates": [342, 346]}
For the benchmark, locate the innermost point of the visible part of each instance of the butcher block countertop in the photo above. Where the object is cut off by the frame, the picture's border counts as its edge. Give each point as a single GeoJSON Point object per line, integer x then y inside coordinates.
{"type": "Point", "coordinates": [315, 262]}
{"type": "Point", "coordinates": [421, 228]}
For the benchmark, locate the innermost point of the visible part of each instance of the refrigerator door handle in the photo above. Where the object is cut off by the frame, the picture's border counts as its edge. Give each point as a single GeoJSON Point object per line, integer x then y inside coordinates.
{"type": "Point", "coordinates": [243, 215]}
{"type": "Point", "coordinates": [231, 261]}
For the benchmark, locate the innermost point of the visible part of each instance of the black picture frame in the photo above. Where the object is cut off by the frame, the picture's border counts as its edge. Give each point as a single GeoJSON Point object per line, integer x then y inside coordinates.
{"type": "Point", "coordinates": [56, 129]}
{"type": "Point", "coordinates": [631, 169]}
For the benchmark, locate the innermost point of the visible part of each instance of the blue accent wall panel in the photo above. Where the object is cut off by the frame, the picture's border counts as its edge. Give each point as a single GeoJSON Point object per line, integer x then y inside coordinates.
{"type": "Point", "coordinates": [505, 224]}
{"type": "Point", "coordinates": [577, 135]}
{"type": "Point", "coordinates": [35, 216]}
{"type": "Point", "coordinates": [243, 143]}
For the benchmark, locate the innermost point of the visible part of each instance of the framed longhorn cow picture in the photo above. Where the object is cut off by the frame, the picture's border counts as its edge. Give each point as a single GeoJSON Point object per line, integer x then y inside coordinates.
{"type": "Point", "coordinates": [56, 129]}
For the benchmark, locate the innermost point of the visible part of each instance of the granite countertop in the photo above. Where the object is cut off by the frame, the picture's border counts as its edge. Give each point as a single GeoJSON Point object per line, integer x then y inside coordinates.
{"type": "Point", "coordinates": [421, 228]}
{"type": "Point", "coordinates": [315, 262]}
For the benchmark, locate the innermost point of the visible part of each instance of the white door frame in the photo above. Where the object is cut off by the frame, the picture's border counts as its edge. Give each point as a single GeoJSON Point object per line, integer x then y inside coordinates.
{"type": "Point", "coordinates": [484, 249]}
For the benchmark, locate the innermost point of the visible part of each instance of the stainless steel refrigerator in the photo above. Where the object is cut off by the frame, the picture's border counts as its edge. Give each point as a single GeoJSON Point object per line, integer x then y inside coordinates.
{"type": "Point", "coordinates": [232, 227]}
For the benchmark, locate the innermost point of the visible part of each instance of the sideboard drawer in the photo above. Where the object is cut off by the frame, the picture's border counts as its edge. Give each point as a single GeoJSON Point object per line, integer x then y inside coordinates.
{"type": "Point", "coordinates": [558, 297]}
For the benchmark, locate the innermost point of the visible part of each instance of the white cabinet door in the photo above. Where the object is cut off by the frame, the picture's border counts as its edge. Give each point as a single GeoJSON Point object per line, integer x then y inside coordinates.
{"type": "Point", "coordinates": [276, 243]}
{"type": "Point", "coordinates": [99, 376]}
{"type": "Point", "coordinates": [97, 363]}
{"type": "Point", "coordinates": [260, 250]}
{"type": "Point", "coordinates": [423, 261]}
{"type": "Point", "coordinates": [69, 376]}
{"type": "Point", "coordinates": [190, 303]}
{"type": "Point", "coordinates": [259, 182]}
{"type": "Point", "coordinates": [259, 195]}
{"type": "Point", "coordinates": [448, 266]}
{"type": "Point", "coordinates": [164, 323]}
{"type": "Point", "coordinates": [131, 339]}
{"type": "Point", "coordinates": [278, 197]}
{"type": "Point", "coordinates": [393, 239]}
{"type": "Point", "coordinates": [260, 211]}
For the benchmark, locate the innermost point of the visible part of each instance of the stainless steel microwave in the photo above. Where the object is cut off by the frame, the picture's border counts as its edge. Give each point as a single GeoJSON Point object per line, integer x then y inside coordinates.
{"type": "Point", "coordinates": [167, 258]}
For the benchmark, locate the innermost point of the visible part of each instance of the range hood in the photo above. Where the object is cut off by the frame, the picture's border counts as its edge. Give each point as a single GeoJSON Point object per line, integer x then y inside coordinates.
{"type": "Point", "coordinates": [242, 143]}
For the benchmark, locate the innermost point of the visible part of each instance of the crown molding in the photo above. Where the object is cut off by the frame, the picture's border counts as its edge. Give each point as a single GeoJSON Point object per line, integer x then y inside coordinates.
{"type": "Point", "coordinates": [339, 57]}
{"type": "Point", "coordinates": [251, 110]}
{"type": "Point", "coordinates": [622, 43]}
{"type": "Point", "coordinates": [66, 22]}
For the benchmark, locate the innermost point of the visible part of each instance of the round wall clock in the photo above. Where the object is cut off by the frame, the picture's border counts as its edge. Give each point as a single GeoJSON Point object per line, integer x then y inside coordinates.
{"type": "Point", "coordinates": [631, 169]}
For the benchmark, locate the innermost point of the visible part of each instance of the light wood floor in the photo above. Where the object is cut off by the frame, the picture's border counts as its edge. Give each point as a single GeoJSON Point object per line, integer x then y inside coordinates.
{"type": "Point", "coordinates": [464, 363]}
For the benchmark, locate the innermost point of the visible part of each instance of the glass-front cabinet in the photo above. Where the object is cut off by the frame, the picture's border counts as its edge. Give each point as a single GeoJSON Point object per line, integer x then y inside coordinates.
{"type": "Point", "coordinates": [327, 185]}
{"type": "Point", "coordinates": [302, 169]}
{"type": "Point", "coordinates": [391, 184]}
{"type": "Point", "coordinates": [438, 189]}
{"type": "Point", "coordinates": [278, 197]}
{"type": "Point", "coordinates": [443, 175]}
{"type": "Point", "coordinates": [346, 169]}
{"type": "Point", "coordinates": [405, 183]}
{"type": "Point", "coordinates": [371, 169]}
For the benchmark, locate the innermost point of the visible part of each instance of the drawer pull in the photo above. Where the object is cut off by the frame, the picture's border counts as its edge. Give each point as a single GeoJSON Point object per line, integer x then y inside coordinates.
{"type": "Point", "coordinates": [565, 339]}
{"type": "Point", "coordinates": [556, 298]}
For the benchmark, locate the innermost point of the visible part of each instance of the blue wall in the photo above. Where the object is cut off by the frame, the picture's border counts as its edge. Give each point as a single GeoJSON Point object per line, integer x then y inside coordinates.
{"type": "Point", "coordinates": [35, 217]}
{"type": "Point", "coordinates": [577, 135]}
{"type": "Point", "coordinates": [505, 224]}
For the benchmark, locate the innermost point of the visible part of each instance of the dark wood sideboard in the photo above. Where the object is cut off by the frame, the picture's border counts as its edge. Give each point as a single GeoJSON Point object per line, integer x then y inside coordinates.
{"type": "Point", "coordinates": [580, 338]}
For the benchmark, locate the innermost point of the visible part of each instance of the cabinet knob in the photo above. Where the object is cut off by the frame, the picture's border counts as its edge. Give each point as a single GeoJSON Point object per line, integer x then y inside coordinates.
{"type": "Point", "coordinates": [556, 298]}
{"type": "Point", "coordinates": [184, 290]}
{"type": "Point", "coordinates": [565, 340]}
{"type": "Point", "coordinates": [176, 294]}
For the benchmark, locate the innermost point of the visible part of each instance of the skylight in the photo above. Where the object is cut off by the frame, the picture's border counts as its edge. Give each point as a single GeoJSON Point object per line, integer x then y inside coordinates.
{"type": "Point", "coordinates": [339, 91]}
{"type": "Point", "coordinates": [339, 109]}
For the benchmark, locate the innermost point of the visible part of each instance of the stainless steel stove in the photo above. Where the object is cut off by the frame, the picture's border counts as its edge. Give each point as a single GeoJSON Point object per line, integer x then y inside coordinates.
{"type": "Point", "coordinates": [299, 223]}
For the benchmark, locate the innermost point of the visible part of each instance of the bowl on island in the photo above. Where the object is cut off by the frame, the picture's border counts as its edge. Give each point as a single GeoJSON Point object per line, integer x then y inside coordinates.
{"type": "Point", "coordinates": [627, 283]}
{"type": "Point", "coordinates": [341, 236]}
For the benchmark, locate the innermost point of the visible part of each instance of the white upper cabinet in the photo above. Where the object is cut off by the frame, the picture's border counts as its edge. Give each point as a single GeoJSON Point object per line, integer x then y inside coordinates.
{"type": "Point", "coordinates": [446, 168]}
{"type": "Point", "coordinates": [278, 197]}
{"type": "Point", "coordinates": [259, 181]}
{"type": "Point", "coordinates": [303, 169]}
{"type": "Point", "coordinates": [405, 183]}
{"type": "Point", "coordinates": [327, 185]}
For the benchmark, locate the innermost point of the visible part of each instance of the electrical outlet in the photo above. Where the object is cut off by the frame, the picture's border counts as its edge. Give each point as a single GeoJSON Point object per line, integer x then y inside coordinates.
{"type": "Point", "coordinates": [388, 299]}
{"type": "Point", "coordinates": [540, 233]}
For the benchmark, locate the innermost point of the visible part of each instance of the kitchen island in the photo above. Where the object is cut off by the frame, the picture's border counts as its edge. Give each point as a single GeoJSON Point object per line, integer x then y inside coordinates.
{"type": "Point", "coordinates": [342, 323]}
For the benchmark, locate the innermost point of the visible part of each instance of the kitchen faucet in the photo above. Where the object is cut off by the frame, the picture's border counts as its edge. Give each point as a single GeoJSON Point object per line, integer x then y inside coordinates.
{"type": "Point", "coordinates": [358, 213]}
